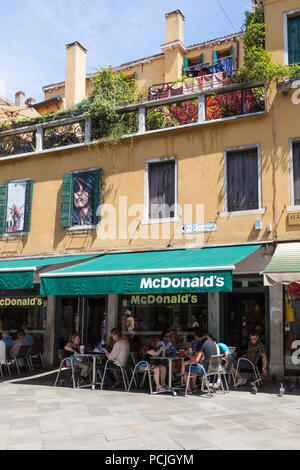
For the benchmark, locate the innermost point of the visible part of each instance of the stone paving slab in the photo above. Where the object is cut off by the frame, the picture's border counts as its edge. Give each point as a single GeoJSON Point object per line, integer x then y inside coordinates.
{"type": "Point", "coordinates": [43, 417]}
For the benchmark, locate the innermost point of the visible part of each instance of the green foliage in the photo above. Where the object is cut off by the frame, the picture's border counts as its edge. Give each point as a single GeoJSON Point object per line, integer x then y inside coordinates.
{"type": "Point", "coordinates": [258, 64]}
{"type": "Point", "coordinates": [112, 90]}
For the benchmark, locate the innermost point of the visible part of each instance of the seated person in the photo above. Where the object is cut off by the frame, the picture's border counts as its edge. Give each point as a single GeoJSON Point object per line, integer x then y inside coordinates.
{"type": "Point", "coordinates": [20, 341]}
{"type": "Point", "coordinates": [166, 342]}
{"type": "Point", "coordinates": [29, 338]}
{"type": "Point", "coordinates": [119, 353]}
{"type": "Point", "coordinates": [255, 349]}
{"type": "Point", "coordinates": [72, 348]}
{"type": "Point", "coordinates": [159, 370]}
{"type": "Point", "coordinates": [7, 339]}
{"type": "Point", "coordinates": [205, 349]}
{"type": "Point", "coordinates": [221, 347]}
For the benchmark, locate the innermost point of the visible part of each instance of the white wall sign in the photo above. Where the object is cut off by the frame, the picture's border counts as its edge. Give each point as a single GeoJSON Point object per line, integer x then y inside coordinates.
{"type": "Point", "coordinates": [199, 228]}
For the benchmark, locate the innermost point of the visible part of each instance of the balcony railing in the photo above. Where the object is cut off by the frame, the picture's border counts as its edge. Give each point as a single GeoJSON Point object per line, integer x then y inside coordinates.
{"type": "Point", "coordinates": [201, 84]}
{"type": "Point", "coordinates": [190, 109]}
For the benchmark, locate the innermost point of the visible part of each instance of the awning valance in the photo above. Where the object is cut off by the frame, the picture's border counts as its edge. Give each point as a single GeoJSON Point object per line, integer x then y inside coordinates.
{"type": "Point", "coordinates": [284, 267]}
{"type": "Point", "coordinates": [18, 273]}
{"type": "Point", "coordinates": [198, 270]}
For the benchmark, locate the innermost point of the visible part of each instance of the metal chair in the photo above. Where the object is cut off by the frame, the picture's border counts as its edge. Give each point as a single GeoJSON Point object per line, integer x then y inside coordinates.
{"type": "Point", "coordinates": [215, 370]}
{"type": "Point", "coordinates": [36, 353]}
{"type": "Point", "coordinates": [121, 369]}
{"type": "Point", "coordinates": [226, 365]}
{"type": "Point", "coordinates": [66, 364]}
{"type": "Point", "coordinates": [21, 354]}
{"type": "Point", "coordinates": [255, 371]}
{"type": "Point", "coordinates": [198, 374]}
{"type": "Point", "coordinates": [147, 372]}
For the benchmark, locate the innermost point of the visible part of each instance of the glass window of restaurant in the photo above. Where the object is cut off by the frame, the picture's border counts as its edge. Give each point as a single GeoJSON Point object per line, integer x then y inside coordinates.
{"type": "Point", "coordinates": [24, 309]}
{"type": "Point", "coordinates": [85, 315]}
{"type": "Point", "coordinates": [151, 314]}
{"type": "Point", "coordinates": [291, 295]}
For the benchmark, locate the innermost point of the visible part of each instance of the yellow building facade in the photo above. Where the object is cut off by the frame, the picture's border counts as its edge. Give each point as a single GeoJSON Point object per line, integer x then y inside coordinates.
{"type": "Point", "coordinates": [200, 155]}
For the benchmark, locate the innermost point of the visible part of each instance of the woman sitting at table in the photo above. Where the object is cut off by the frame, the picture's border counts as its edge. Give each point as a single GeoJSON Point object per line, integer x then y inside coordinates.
{"type": "Point", "coordinates": [151, 349]}
{"type": "Point", "coordinates": [72, 349]}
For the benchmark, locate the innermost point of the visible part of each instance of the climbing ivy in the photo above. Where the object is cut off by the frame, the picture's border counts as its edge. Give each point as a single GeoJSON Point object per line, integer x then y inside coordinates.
{"type": "Point", "coordinates": [258, 63]}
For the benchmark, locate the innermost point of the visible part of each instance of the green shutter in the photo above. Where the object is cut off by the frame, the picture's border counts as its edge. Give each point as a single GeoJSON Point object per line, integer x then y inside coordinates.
{"type": "Point", "coordinates": [232, 50]}
{"type": "Point", "coordinates": [294, 40]}
{"type": "Point", "coordinates": [28, 205]}
{"type": "Point", "coordinates": [185, 65]}
{"type": "Point", "coordinates": [134, 75]}
{"type": "Point", "coordinates": [202, 58]}
{"type": "Point", "coordinates": [97, 196]}
{"type": "Point", "coordinates": [3, 199]}
{"type": "Point", "coordinates": [215, 56]}
{"type": "Point", "coordinates": [67, 201]}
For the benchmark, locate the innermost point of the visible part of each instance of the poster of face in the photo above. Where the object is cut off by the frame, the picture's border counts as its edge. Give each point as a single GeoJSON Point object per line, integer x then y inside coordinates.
{"type": "Point", "coordinates": [83, 189]}
{"type": "Point", "coordinates": [16, 194]}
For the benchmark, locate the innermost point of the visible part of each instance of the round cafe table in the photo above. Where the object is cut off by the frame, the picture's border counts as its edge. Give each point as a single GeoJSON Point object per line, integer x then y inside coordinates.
{"type": "Point", "coordinates": [94, 356]}
{"type": "Point", "coordinates": [170, 360]}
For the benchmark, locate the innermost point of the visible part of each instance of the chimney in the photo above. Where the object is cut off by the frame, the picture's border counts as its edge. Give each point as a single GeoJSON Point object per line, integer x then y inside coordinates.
{"type": "Point", "coordinates": [30, 101]}
{"type": "Point", "coordinates": [20, 98]}
{"type": "Point", "coordinates": [175, 27]}
{"type": "Point", "coordinates": [75, 74]}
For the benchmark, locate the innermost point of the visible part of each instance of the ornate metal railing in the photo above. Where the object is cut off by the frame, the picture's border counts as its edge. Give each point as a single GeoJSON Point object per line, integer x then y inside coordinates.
{"type": "Point", "coordinates": [17, 144]}
{"type": "Point", "coordinates": [235, 103]}
{"type": "Point", "coordinates": [195, 108]}
{"type": "Point", "coordinates": [172, 115]}
{"type": "Point", "coordinates": [60, 136]}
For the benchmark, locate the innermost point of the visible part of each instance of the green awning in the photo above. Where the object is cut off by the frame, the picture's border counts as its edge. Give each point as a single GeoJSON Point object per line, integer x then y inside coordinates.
{"type": "Point", "coordinates": [284, 267]}
{"type": "Point", "coordinates": [18, 273]}
{"type": "Point", "coordinates": [198, 270]}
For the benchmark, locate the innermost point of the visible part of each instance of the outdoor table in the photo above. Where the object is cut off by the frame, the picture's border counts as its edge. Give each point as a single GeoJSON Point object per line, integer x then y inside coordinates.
{"type": "Point", "coordinates": [170, 360]}
{"type": "Point", "coordinates": [94, 356]}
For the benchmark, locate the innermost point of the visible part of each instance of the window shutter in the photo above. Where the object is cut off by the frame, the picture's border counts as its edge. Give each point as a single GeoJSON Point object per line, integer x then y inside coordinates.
{"type": "Point", "coordinates": [242, 180]}
{"type": "Point", "coordinates": [185, 65]}
{"type": "Point", "coordinates": [67, 201]}
{"type": "Point", "coordinates": [134, 75]}
{"type": "Point", "coordinates": [28, 205]}
{"type": "Point", "coordinates": [294, 40]}
{"type": "Point", "coordinates": [97, 196]}
{"type": "Point", "coordinates": [215, 56]}
{"type": "Point", "coordinates": [161, 189]}
{"type": "Point", "coordinates": [202, 58]}
{"type": "Point", "coordinates": [3, 200]}
{"type": "Point", "coordinates": [232, 51]}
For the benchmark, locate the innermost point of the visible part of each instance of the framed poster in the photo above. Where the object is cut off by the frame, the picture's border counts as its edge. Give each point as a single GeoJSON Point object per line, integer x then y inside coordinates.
{"type": "Point", "coordinates": [83, 194]}
{"type": "Point", "coordinates": [16, 197]}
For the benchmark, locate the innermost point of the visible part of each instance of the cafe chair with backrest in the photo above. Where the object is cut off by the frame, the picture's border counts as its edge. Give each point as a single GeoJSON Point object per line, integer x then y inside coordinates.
{"type": "Point", "coordinates": [67, 364]}
{"type": "Point", "coordinates": [145, 372]}
{"type": "Point", "coordinates": [227, 370]}
{"type": "Point", "coordinates": [121, 370]}
{"type": "Point", "coordinates": [255, 372]}
{"type": "Point", "coordinates": [198, 374]}
{"type": "Point", "coordinates": [21, 355]}
{"type": "Point", "coordinates": [214, 371]}
{"type": "Point", "coordinates": [36, 353]}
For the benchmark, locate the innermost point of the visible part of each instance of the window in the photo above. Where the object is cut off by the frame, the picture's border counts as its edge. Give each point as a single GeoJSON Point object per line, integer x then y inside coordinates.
{"type": "Point", "coordinates": [296, 172]}
{"type": "Point", "coordinates": [81, 197]}
{"type": "Point", "coordinates": [161, 183]}
{"type": "Point", "coordinates": [242, 180]}
{"type": "Point", "coordinates": [15, 206]}
{"type": "Point", "coordinates": [293, 26]}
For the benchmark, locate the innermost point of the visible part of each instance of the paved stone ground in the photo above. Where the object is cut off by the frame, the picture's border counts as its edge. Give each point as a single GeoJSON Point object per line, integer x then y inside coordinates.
{"type": "Point", "coordinates": [35, 415]}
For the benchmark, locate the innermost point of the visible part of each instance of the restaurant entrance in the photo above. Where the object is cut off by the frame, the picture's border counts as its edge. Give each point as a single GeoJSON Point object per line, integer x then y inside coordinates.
{"type": "Point", "coordinates": [246, 310]}
{"type": "Point", "coordinates": [85, 315]}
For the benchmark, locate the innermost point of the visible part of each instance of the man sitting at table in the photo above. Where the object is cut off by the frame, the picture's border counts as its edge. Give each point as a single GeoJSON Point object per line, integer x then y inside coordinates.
{"type": "Point", "coordinates": [205, 349]}
{"type": "Point", "coordinates": [119, 354]}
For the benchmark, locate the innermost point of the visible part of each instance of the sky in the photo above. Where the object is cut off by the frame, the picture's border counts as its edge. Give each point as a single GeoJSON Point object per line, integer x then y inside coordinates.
{"type": "Point", "coordinates": [33, 34]}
